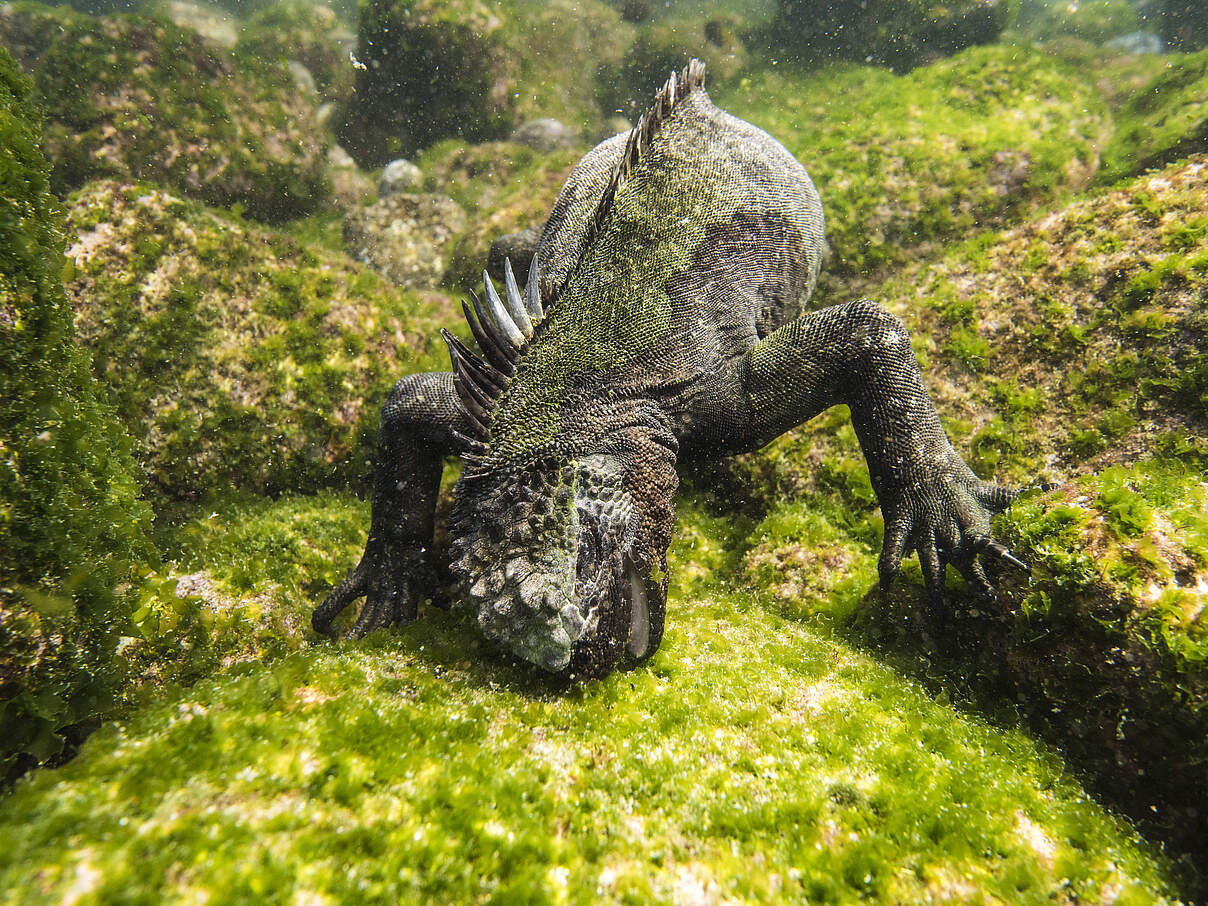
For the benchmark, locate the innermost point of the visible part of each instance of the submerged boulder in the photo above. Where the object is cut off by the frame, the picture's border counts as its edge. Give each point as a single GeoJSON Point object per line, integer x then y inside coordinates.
{"type": "Point", "coordinates": [751, 759]}
{"type": "Point", "coordinates": [73, 531]}
{"type": "Point", "coordinates": [434, 70]}
{"type": "Point", "coordinates": [1164, 119]}
{"type": "Point", "coordinates": [901, 34]}
{"type": "Point", "coordinates": [404, 236]}
{"type": "Point", "coordinates": [906, 162]}
{"type": "Point", "coordinates": [136, 97]}
{"type": "Point", "coordinates": [309, 33]}
{"type": "Point", "coordinates": [238, 358]}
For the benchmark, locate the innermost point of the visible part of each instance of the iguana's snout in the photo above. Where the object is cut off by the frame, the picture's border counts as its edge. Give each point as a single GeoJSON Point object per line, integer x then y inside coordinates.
{"type": "Point", "coordinates": [556, 559]}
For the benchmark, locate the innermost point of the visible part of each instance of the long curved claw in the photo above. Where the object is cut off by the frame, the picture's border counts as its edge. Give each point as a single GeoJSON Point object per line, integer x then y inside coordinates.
{"type": "Point", "coordinates": [985, 544]}
{"type": "Point", "coordinates": [933, 563]}
{"type": "Point", "coordinates": [353, 586]}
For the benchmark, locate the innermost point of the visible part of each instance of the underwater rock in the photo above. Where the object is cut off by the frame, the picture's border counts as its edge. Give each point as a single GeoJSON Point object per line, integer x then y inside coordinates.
{"type": "Point", "coordinates": [1164, 119]}
{"type": "Point", "coordinates": [1096, 21]}
{"type": "Point", "coordinates": [1102, 649]}
{"type": "Point", "coordinates": [752, 760]}
{"type": "Point", "coordinates": [499, 65]}
{"type": "Point", "coordinates": [307, 32]}
{"type": "Point", "coordinates": [901, 34]}
{"type": "Point", "coordinates": [237, 357]}
{"type": "Point", "coordinates": [1185, 24]}
{"type": "Point", "coordinates": [140, 98]}
{"type": "Point", "coordinates": [397, 176]}
{"type": "Point", "coordinates": [404, 237]}
{"type": "Point", "coordinates": [906, 162]}
{"type": "Point", "coordinates": [351, 187]}
{"type": "Point", "coordinates": [73, 529]}
{"type": "Point", "coordinates": [505, 188]}
{"type": "Point", "coordinates": [544, 134]}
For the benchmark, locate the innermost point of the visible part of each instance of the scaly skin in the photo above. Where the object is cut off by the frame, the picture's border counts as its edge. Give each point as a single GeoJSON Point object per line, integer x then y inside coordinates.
{"type": "Point", "coordinates": [671, 281]}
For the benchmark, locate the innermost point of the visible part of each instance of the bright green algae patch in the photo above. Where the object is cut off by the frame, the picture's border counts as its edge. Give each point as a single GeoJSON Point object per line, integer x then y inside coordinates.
{"type": "Point", "coordinates": [906, 161]}
{"type": "Point", "coordinates": [1104, 648]}
{"type": "Point", "coordinates": [1163, 120]}
{"type": "Point", "coordinates": [239, 357]}
{"type": "Point", "coordinates": [750, 760]}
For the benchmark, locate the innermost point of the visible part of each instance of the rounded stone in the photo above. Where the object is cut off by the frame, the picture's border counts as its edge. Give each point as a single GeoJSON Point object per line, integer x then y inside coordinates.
{"type": "Point", "coordinates": [398, 176]}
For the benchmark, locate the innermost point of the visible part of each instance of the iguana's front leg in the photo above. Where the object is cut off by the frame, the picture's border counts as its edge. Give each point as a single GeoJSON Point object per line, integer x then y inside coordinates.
{"type": "Point", "coordinates": [860, 354]}
{"type": "Point", "coordinates": [421, 422]}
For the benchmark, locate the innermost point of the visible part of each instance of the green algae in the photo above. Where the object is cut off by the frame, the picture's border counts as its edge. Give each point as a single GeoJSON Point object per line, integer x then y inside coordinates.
{"type": "Point", "coordinates": [750, 759]}
{"type": "Point", "coordinates": [907, 161]}
{"type": "Point", "coordinates": [164, 105]}
{"type": "Point", "coordinates": [1163, 120]}
{"type": "Point", "coordinates": [239, 357]}
{"type": "Point", "coordinates": [72, 528]}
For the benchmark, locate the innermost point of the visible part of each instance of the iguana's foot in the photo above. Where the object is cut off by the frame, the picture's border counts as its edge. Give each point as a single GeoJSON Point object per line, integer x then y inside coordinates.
{"type": "Point", "coordinates": [392, 581]}
{"type": "Point", "coordinates": [945, 517]}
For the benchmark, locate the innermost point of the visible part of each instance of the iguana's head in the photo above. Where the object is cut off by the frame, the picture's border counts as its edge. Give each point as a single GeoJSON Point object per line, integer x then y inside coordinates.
{"type": "Point", "coordinates": [562, 549]}
{"type": "Point", "coordinates": [565, 560]}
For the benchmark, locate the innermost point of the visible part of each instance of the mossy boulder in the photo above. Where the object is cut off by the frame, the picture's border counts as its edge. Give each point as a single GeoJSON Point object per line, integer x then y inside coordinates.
{"type": "Point", "coordinates": [1165, 119]}
{"type": "Point", "coordinates": [505, 187]}
{"type": "Point", "coordinates": [751, 759]}
{"type": "Point", "coordinates": [238, 358]}
{"type": "Point", "coordinates": [1103, 648]}
{"type": "Point", "coordinates": [136, 97]}
{"type": "Point", "coordinates": [1077, 339]}
{"type": "Point", "coordinates": [663, 47]}
{"type": "Point", "coordinates": [73, 532]}
{"type": "Point", "coordinates": [434, 70]}
{"type": "Point", "coordinates": [906, 162]}
{"type": "Point", "coordinates": [404, 236]}
{"type": "Point", "coordinates": [307, 32]}
{"type": "Point", "coordinates": [1185, 24]}
{"type": "Point", "coordinates": [1096, 21]}
{"type": "Point", "coordinates": [897, 33]}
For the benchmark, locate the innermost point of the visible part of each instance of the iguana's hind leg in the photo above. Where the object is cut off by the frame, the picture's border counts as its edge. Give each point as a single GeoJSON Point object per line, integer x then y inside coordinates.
{"type": "Point", "coordinates": [860, 354]}
{"type": "Point", "coordinates": [421, 424]}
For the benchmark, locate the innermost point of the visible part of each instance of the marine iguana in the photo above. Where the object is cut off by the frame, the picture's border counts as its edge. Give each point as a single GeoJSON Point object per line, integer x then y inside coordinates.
{"type": "Point", "coordinates": [662, 321]}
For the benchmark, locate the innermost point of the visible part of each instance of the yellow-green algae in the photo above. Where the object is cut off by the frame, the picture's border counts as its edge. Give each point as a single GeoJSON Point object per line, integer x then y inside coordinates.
{"type": "Point", "coordinates": [136, 97]}
{"type": "Point", "coordinates": [905, 161]}
{"type": "Point", "coordinates": [1164, 119]}
{"type": "Point", "coordinates": [750, 760]}
{"type": "Point", "coordinates": [239, 357]}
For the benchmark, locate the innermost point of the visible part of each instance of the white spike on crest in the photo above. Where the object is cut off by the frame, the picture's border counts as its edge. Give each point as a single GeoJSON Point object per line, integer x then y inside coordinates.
{"type": "Point", "coordinates": [532, 294]}
{"type": "Point", "coordinates": [515, 303]}
{"type": "Point", "coordinates": [507, 327]}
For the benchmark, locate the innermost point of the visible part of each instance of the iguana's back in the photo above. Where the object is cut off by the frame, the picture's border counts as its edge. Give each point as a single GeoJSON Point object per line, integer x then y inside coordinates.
{"type": "Point", "coordinates": [669, 252]}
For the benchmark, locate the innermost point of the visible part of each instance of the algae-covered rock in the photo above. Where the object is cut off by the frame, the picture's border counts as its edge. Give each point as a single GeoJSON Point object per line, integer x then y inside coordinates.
{"type": "Point", "coordinates": [238, 358]}
{"type": "Point", "coordinates": [505, 187]}
{"type": "Point", "coordinates": [1164, 119]}
{"type": "Point", "coordinates": [134, 97]}
{"type": "Point", "coordinates": [433, 70]}
{"type": "Point", "coordinates": [1078, 337]}
{"type": "Point", "coordinates": [1097, 21]}
{"type": "Point", "coordinates": [307, 32]}
{"type": "Point", "coordinates": [897, 33]}
{"type": "Point", "coordinates": [750, 760]}
{"type": "Point", "coordinates": [1185, 24]}
{"type": "Point", "coordinates": [72, 529]}
{"type": "Point", "coordinates": [403, 236]}
{"type": "Point", "coordinates": [1104, 647]}
{"type": "Point", "coordinates": [904, 162]}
